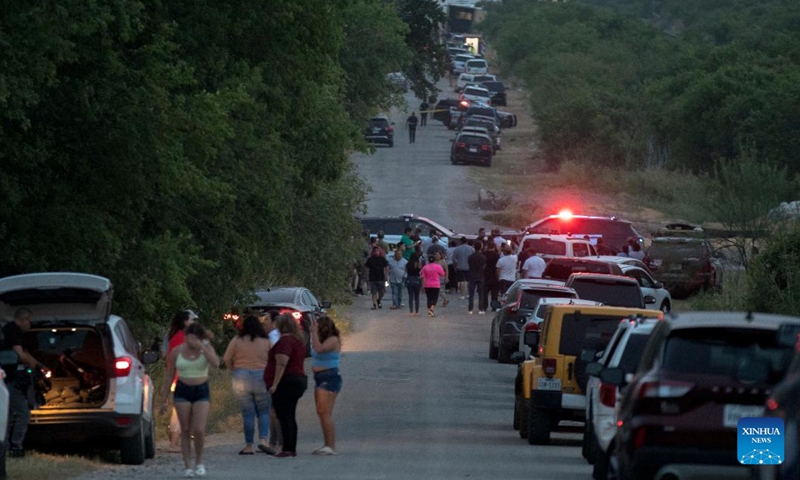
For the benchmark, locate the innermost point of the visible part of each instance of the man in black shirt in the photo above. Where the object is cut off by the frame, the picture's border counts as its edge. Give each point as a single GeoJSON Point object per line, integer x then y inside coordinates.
{"type": "Point", "coordinates": [492, 282]}
{"type": "Point", "coordinates": [423, 113]}
{"type": "Point", "coordinates": [476, 279]}
{"type": "Point", "coordinates": [378, 268]}
{"type": "Point", "coordinates": [19, 381]}
{"type": "Point", "coordinates": [411, 124]}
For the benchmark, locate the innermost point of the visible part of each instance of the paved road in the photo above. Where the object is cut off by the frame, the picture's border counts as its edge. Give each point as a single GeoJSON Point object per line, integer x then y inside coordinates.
{"type": "Point", "coordinates": [420, 397]}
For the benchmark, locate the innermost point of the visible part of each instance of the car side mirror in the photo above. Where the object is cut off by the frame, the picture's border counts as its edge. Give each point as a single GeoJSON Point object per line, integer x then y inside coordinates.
{"type": "Point", "coordinates": [613, 376]}
{"type": "Point", "coordinates": [588, 355]}
{"type": "Point", "coordinates": [649, 300]}
{"type": "Point", "coordinates": [788, 335]}
{"type": "Point", "coordinates": [517, 358]}
{"type": "Point", "coordinates": [495, 304]}
{"type": "Point", "coordinates": [658, 285]}
{"type": "Point", "coordinates": [594, 369]}
{"type": "Point", "coordinates": [532, 340]}
{"type": "Point", "coordinates": [326, 304]}
{"type": "Point", "coordinates": [149, 356]}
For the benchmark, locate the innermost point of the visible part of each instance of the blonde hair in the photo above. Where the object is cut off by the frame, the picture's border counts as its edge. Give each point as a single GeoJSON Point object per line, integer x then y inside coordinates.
{"type": "Point", "coordinates": [287, 325]}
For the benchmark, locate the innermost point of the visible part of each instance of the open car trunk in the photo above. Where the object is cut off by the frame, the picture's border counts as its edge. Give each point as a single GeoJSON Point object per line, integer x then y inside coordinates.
{"type": "Point", "coordinates": [77, 357]}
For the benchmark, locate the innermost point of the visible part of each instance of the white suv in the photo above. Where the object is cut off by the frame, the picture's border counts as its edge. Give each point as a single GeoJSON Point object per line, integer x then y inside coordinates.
{"type": "Point", "coordinates": [548, 245]}
{"type": "Point", "coordinates": [100, 392]}
{"type": "Point", "coordinates": [624, 350]}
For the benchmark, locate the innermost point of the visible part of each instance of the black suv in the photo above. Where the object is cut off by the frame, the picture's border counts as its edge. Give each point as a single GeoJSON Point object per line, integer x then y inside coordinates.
{"type": "Point", "coordinates": [614, 232]}
{"type": "Point", "coordinates": [498, 91]}
{"type": "Point", "coordinates": [442, 110]}
{"type": "Point", "coordinates": [380, 131]}
{"type": "Point", "coordinates": [472, 148]}
{"type": "Point", "coordinates": [560, 268]}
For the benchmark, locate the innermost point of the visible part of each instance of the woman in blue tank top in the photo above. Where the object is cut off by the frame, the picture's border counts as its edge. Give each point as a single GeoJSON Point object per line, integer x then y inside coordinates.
{"type": "Point", "coordinates": [325, 349]}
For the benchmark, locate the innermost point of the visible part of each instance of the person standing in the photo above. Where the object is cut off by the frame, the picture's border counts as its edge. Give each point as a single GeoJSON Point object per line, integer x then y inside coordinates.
{"type": "Point", "coordinates": [382, 243]}
{"type": "Point", "coordinates": [326, 347]}
{"type": "Point", "coordinates": [423, 113]}
{"type": "Point", "coordinates": [431, 274]}
{"type": "Point", "coordinates": [533, 267]}
{"type": "Point", "coordinates": [506, 269]}
{"type": "Point", "coordinates": [635, 251]}
{"type": "Point", "coordinates": [191, 362]}
{"type": "Point", "coordinates": [19, 381]}
{"type": "Point", "coordinates": [275, 436]}
{"type": "Point", "coordinates": [410, 247]}
{"type": "Point", "coordinates": [413, 284]}
{"type": "Point", "coordinates": [286, 380]}
{"type": "Point", "coordinates": [492, 285]}
{"type": "Point", "coordinates": [461, 263]}
{"type": "Point", "coordinates": [397, 277]}
{"type": "Point", "coordinates": [438, 258]}
{"type": "Point", "coordinates": [411, 125]}
{"type": "Point", "coordinates": [176, 337]}
{"type": "Point", "coordinates": [378, 269]}
{"type": "Point", "coordinates": [246, 358]}
{"type": "Point", "coordinates": [452, 285]}
{"type": "Point", "coordinates": [477, 280]}
{"type": "Point", "coordinates": [434, 247]}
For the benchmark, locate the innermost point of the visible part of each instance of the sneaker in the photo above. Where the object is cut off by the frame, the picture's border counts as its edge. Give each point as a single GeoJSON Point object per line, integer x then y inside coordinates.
{"type": "Point", "coordinates": [481, 312]}
{"type": "Point", "coordinates": [379, 305]}
{"type": "Point", "coordinates": [326, 450]}
{"type": "Point", "coordinates": [200, 470]}
{"type": "Point", "coordinates": [188, 473]}
{"type": "Point", "coordinates": [470, 312]}
{"type": "Point", "coordinates": [463, 297]}
{"type": "Point", "coordinates": [267, 449]}
{"type": "Point", "coordinates": [286, 455]}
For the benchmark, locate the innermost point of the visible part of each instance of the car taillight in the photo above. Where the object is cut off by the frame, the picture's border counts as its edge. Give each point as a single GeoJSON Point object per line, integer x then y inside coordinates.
{"type": "Point", "coordinates": [461, 145]}
{"type": "Point", "coordinates": [465, 103]}
{"type": "Point", "coordinates": [294, 313]}
{"type": "Point", "coordinates": [389, 129]}
{"type": "Point", "coordinates": [230, 317]}
{"type": "Point", "coordinates": [664, 389]}
{"type": "Point", "coordinates": [549, 367]}
{"type": "Point", "coordinates": [122, 366]}
{"type": "Point", "coordinates": [608, 394]}
{"type": "Point", "coordinates": [772, 404]}
{"type": "Point", "coordinates": [639, 437]}
{"type": "Point", "coordinates": [486, 147]}
{"type": "Point", "coordinates": [531, 327]}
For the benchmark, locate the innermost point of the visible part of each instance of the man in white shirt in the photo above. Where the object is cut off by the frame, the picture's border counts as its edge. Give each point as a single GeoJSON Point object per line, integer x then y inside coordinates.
{"type": "Point", "coordinates": [533, 267]}
{"type": "Point", "coordinates": [506, 269]}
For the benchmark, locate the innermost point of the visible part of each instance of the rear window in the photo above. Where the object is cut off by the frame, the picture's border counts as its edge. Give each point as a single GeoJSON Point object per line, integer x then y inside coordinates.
{"type": "Point", "coordinates": [617, 294]}
{"type": "Point", "coordinates": [484, 79]}
{"type": "Point", "coordinates": [717, 351]}
{"type": "Point", "coordinates": [463, 58]}
{"type": "Point", "coordinates": [560, 270]}
{"type": "Point", "coordinates": [633, 352]}
{"type": "Point", "coordinates": [489, 112]}
{"type": "Point", "coordinates": [476, 63]}
{"type": "Point", "coordinates": [276, 296]}
{"type": "Point", "coordinates": [477, 92]}
{"type": "Point", "coordinates": [579, 331]}
{"type": "Point", "coordinates": [531, 297]}
{"type": "Point", "coordinates": [675, 250]}
{"type": "Point", "coordinates": [473, 140]}
{"type": "Point", "coordinates": [493, 86]}
{"type": "Point", "coordinates": [378, 123]}
{"type": "Point", "coordinates": [545, 246]}
{"type": "Point", "coordinates": [474, 122]}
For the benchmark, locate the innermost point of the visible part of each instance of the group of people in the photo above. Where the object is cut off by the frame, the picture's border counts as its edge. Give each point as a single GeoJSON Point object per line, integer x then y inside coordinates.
{"type": "Point", "coordinates": [266, 361]}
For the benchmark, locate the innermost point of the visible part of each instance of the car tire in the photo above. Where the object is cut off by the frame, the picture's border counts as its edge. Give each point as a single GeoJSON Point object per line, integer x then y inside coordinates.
{"type": "Point", "coordinates": [492, 349]}
{"type": "Point", "coordinates": [133, 448]}
{"type": "Point", "coordinates": [602, 464]}
{"type": "Point", "coordinates": [150, 439]}
{"type": "Point", "coordinates": [586, 443]}
{"type": "Point", "coordinates": [540, 424]}
{"type": "Point", "coordinates": [504, 355]}
{"type": "Point", "coordinates": [665, 306]}
{"type": "Point", "coordinates": [524, 419]}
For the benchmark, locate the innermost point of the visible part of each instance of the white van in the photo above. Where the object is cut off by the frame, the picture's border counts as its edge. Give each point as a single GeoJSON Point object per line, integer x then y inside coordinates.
{"type": "Point", "coordinates": [476, 66]}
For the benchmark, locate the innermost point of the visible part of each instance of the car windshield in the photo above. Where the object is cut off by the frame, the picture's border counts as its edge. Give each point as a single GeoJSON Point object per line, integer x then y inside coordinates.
{"type": "Point", "coordinates": [580, 331]}
{"type": "Point", "coordinates": [476, 63]}
{"type": "Point", "coordinates": [718, 351]}
{"type": "Point", "coordinates": [617, 294]}
{"type": "Point", "coordinates": [675, 250]}
{"type": "Point", "coordinates": [276, 296]}
{"type": "Point", "coordinates": [558, 270]}
{"type": "Point", "coordinates": [545, 246]}
{"type": "Point", "coordinates": [633, 352]}
{"type": "Point", "coordinates": [531, 297]}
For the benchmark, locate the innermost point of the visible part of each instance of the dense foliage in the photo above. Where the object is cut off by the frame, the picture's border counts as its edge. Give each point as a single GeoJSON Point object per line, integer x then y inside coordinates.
{"type": "Point", "coordinates": [189, 150]}
{"type": "Point", "coordinates": [656, 83]}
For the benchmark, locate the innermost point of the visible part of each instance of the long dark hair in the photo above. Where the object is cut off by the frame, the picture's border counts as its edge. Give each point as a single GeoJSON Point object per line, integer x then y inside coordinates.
{"type": "Point", "coordinates": [252, 326]}
{"type": "Point", "coordinates": [326, 328]}
{"type": "Point", "coordinates": [197, 330]}
{"type": "Point", "coordinates": [414, 260]}
{"type": "Point", "coordinates": [178, 322]}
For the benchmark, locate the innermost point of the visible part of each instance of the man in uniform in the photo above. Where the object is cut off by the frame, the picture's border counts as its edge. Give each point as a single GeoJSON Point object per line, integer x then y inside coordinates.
{"type": "Point", "coordinates": [411, 124]}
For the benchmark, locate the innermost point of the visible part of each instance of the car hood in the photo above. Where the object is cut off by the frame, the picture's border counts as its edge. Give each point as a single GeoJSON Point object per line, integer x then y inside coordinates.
{"type": "Point", "coordinates": [56, 296]}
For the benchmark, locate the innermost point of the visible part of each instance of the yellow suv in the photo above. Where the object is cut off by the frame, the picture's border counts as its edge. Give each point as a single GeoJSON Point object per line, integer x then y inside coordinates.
{"type": "Point", "coordinates": [550, 385]}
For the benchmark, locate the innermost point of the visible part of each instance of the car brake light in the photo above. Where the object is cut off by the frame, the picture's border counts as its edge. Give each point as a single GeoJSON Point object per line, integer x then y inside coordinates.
{"type": "Point", "coordinates": [464, 103]}
{"type": "Point", "coordinates": [608, 394]}
{"type": "Point", "coordinates": [122, 366]}
{"type": "Point", "coordinates": [772, 404]}
{"type": "Point", "coordinates": [549, 367]}
{"type": "Point", "coordinates": [639, 437]}
{"type": "Point", "coordinates": [124, 421]}
{"type": "Point", "coordinates": [461, 145]}
{"type": "Point", "coordinates": [666, 389]}
{"type": "Point", "coordinates": [532, 327]}
{"type": "Point", "coordinates": [486, 147]}
{"type": "Point", "coordinates": [230, 317]}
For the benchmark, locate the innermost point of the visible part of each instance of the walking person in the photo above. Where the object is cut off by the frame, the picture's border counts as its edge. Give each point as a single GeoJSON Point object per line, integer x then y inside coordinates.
{"type": "Point", "coordinates": [275, 436]}
{"type": "Point", "coordinates": [397, 277]}
{"type": "Point", "coordinates": [411, 125]}
{"type": "Point", "coordinates": [534, 266]}
{"type": "Point", "coordinates": [286, 380]}
{"type": "Point", "coordinates": [176, 337]}
{"type": "Point", "coordinates": [460, 261]}
{"type": "Point", "coordinates": [439, 258]}
{"type": "Point", "coordinates": [477, 280]}
{"type": "Point", "coordinates": [492, 285]}
{"type": "Point", "coordinates": [413, 284]}
{"type": "Point", "coordinates": [378, 268]}
{"type": "Point", "coordinates": [191, 362]}
{"type": "Point", "coordinates": [423, 113]}
{"type": "Point", "coordinates": [431, 275]}
{"type": "Point", "coordinates": [246, 358]}
{"type": "Point", "coordinates": [19, 381]}
{"type": "Point", "coordinates": [506, 269]}
{"type": "Point", "coordinates": [326, 347]}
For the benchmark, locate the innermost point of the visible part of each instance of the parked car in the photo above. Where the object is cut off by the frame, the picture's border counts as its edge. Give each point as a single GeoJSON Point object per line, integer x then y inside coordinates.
{"type": "Point", "coordinates": [441, 111]}
{"type": "Point", "coordinates": [520, 302]}
{"type": "Point", "coordinates": [700, 373]}
{"type": "Point", "coordinates": [624, 351]}
{"type": "Point", "coordinates": [476, 95]}
{"type": "Point", "coordinates": [685, 265]}
{"type": "Point", "coordinates": [663, 299]}
{"type": "Point", "coordinates": [614, 232]}
{"type": "Point", "coordinates": [560, 268]}
{"type": "Point", "coordinates": [393, 228]}
{"type": "Point", "coordinates": [491, 129]}
{"type": "Point", "coordinates": [482, 131]}
{"type": "Point", "coordinates": [535, 319]}
{"type": "Point", "coordinates": [498, 91]}
{"type": "Point", "coordinates": [616, 290]}
{"type": "Point", "coordinates": [470, 78]}
{"type": "Point", "coordinates": [299, 302]}
{"type": "Point", "coordinates": [546, 389]}
{"type": "Point", "coordinates": [476, 66]}
{"type": "Point", "coordinates": [622, 261]}
{"type": "Point", "coordinates": [100, 393]}
{"type": "Point", "coordinates": [397, 82]}
{"type": "Point", "coordinates": [549, 246]}
{"type": "Point", "coordinates": [380, 130]}
{"type": "Point", "coordinates": [460, 62]}
{"type": "Point", "coordinates": [472, 148]}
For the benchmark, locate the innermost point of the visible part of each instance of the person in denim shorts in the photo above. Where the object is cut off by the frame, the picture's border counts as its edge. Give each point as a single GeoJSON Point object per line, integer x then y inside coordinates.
{"type": "Point", "coordinates": [326, 347]}
{"type": "Point", "coordinates": [192, 361]}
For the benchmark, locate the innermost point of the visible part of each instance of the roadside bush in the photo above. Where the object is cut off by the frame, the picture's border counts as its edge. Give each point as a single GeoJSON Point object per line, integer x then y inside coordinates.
{"type": "Point", "coordinates": [732, 297]}
{"type": "Point", "coordinates": [774, 276]}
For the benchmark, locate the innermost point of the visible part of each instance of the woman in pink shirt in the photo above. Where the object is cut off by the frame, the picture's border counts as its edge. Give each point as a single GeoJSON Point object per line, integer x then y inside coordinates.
{"type": "Point", "coordinates": [431, 274]}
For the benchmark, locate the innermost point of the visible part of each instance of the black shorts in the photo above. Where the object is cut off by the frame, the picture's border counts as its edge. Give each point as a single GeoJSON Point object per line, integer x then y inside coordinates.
{"type": "Point", "coordinates": [191, 393]}
{"type": "Point", "coordinates": [461, 275]}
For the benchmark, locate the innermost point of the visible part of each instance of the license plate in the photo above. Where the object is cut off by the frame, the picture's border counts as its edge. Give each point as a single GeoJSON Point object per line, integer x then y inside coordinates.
{"type": "Point", "coordinates": [731, 414]}
{"type": "Point", "coordinates": [376, 130]}
{"type": "Point", "coordinates": [473, 149]}
{"type": "Point", "coordinates": [549, 384]}
{"type": "Point", "coordinates": [676, 266]}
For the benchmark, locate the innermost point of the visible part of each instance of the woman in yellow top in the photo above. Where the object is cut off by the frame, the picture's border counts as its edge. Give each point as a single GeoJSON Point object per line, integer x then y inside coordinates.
{"type": "Point", "coordinates": [191, 361]}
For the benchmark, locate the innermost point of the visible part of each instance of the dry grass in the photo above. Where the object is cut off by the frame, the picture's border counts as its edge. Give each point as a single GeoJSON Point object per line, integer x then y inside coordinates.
{"type": "Point", "coordinates": [40, 466]}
